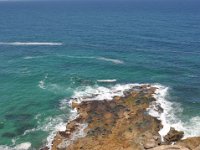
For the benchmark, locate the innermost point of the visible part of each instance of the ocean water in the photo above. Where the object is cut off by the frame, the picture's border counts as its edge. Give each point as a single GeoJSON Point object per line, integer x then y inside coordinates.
{"type": "Point", "coordinates": [51, 51]}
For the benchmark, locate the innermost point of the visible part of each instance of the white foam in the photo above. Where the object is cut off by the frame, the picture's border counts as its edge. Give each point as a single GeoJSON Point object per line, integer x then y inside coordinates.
{"type": "Point", "coordinates": [107, 81]}
{"type": "Point", "coordinates": [81, 94]}
{"type": "Point", "coordinates": [33, 57]}
{"type": "Point", "coordinates": [115, 61]}
{"type": "Point", "coordinates": [170, 115]}
{"type": "Point", "coordinates": [160, 96]}
{"type": "Point", "coordinates": [80, 57]}
{"type": "Point", "coordinates": [42, 82]}
{"type": "Point", "coordinates": [22, 146]}
{"type": "Point", "coordinates": [89, 93]}
{"type": "Point", "coordinates": [31, 43]}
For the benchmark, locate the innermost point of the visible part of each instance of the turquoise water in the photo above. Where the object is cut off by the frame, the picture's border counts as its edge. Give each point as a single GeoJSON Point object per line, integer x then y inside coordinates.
{"type": "Point", "coordinates": [131, 42]}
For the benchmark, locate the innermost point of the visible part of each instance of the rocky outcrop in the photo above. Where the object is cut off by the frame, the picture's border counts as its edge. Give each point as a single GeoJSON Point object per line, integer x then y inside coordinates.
{"type": "Point", "coordinates": [191, 143]}
{"type": "Point", "coordinates": [119, 124]}
{"type": "Point", "coordinates": [173, 136]}
{"type": "Point", "coordinates": [170, 147]}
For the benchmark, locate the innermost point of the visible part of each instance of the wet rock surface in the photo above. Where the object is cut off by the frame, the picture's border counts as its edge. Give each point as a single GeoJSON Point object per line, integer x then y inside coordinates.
{"type": "Point", "coordinates": [173, 136]}
{"type": "Point", "coordinates": [119, 124]}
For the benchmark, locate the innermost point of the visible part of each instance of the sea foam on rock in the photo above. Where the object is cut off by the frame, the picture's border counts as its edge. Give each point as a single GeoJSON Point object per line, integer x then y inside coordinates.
{"type": "Point", "coordinates": [120, 117]}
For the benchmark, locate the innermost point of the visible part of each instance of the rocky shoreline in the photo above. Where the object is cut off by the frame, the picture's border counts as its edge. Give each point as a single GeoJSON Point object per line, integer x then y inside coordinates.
{"type": "Point", "coordinates": [122, 123]}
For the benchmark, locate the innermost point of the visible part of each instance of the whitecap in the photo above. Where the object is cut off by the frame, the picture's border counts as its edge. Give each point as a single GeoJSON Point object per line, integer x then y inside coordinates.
{"type": "Point", "coordinates": [42, 82]}
{"type": "Point", "coordinates": [115, 61]}
{"type": "Point", "coordinates": [80, 57]}
{"type": "Point", "coordinates": [33, 57]}
{"type": "Point", "coordinates": [107, 80]}
{"type": "Point", "coordinates": [31, 43]}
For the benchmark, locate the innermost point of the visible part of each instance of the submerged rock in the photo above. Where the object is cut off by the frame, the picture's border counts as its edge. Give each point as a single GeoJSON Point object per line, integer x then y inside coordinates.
{"type": "Point", "coordinates": [1, 125]}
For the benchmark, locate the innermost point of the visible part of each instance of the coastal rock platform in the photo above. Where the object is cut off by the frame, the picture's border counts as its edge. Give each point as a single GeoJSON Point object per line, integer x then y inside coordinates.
{"type": "Point", "coordinates": [122, 123]}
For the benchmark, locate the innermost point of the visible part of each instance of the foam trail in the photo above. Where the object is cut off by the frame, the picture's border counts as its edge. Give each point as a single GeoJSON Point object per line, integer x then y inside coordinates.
{"type": "Point", "coordinates": [107, 80]}
{"type": "Point", "coordinates": [31, 43]}
{"type": "Point", "coordinates": [115, 61]}
{"type": "Point", "coordinates": [80, 57]}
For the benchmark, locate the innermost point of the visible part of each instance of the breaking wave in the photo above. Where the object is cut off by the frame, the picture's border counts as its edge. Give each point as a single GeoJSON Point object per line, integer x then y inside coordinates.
{"type": "Point", "coordinates": [31, 43]}
{"type": "Point", "coordinates": [88, 93]}
{"type": "Point", "coordinates": [106, 59]}
{"type": "Point", "coordinates": [170, 115]}
{"type": "Point", "coordinates": [115, 61]}
{"type": "Point", "coordinates": [22, 146]}
{"type": "Point", "coordinates": [107, 81]}
{"type": "Point", "coordinates": [33, 57]}
{"type": "Point", "coordinates": [112, 60]}
{"type": "Point", "coordinates": [42, 82]}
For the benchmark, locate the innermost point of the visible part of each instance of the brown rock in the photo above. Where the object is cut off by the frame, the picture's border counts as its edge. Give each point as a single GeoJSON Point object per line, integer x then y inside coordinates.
{"type": "Point", "coordinates": [192, 143]}
{"type": "Point", "coordinates": [169, 147]}
{"type": "Point", "coordinates": [74, 105]}
{"type": "Point", "coordinates": [173, 136]}
{"type": "Point", "coordinates": [119, 124]}
{"type": "Point", "coordinates": [150, 143]}
{"type": "Point", "coordinates": [44, 148]}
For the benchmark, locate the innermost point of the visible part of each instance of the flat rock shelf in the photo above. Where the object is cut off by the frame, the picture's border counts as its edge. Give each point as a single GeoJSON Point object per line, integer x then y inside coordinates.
{"type": "Point", "coordinates": [122, 123]}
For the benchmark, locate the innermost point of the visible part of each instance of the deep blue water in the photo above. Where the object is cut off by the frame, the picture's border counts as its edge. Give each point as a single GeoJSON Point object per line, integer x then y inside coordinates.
{"type": "Point", "coordinates": [132, 42]}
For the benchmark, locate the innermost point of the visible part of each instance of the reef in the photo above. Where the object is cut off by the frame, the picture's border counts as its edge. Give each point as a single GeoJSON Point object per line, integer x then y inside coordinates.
{"type": "Point", "coordinates": [122, 123]}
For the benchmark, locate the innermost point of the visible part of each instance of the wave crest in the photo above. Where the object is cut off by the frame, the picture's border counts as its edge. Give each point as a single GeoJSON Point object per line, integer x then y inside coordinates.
{"type": "Point", "coordinates": [31, 43]}
{"type": "Point", "coordinates": [107, 80]}
{"type": "Point", "coordinates": [115, 61]}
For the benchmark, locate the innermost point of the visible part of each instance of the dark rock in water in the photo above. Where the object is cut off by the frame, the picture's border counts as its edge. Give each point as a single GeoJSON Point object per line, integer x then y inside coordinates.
{"type": "Point", "coordinates": [18, 117]}
{"type": "Point", "coordinates": [23, 126]}
{"type": "Point", "coordinates": [173, 136]}
{"type": "Point", "coordinates": [8, 135]}
{"type": "Point", "coordinates": [44, 148]}
{"type": "Point", "coordinates": [1, 125]}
